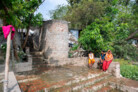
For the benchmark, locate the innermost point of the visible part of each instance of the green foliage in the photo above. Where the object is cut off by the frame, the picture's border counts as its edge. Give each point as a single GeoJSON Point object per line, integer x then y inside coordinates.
{"type": "Point", "coordinates": [91, 39]}
{"type": "Point", "coordinates": [73, 2]}
{"type": "Point", "coordinates": [75, 47]}
{"type": "Point", "coordinates": [100, 35]}
{"type": "Point", "coordinates": [111, 32]}
{"type": "Point", "coordinates": [19, 12]}
{"type": "Point", "coordinates": [122, 61]}
{"type": "Point", "coordinates": [4, 46]}
{"type": "Point", "coordinates": [1, 33]}
{"type": "Point", "coordinates": [123, 49]}
{"type": "Point", "coordinates": [127, 69]}
{"type": "Point", "coordinates": [130, 71]}
{"type": "Point", "coordinates": [37, 20]}
{"type": "Point", "coordinates": [21, 54]}
{"type": "Point", "coordinates": [70, 55]}
{"type": "Point", "coordinates": [83, 12]}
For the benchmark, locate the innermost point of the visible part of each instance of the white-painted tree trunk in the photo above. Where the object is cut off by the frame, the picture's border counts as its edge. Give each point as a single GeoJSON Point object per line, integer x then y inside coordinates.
{"type": "Point", "coordinates": [7, 62]}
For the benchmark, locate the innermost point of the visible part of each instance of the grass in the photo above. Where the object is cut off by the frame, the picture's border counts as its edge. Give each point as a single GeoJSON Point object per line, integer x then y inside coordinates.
{"type": "Point", "coordinates": [1, 85]}
{"type": "Point", "coordinates": [127, 69]}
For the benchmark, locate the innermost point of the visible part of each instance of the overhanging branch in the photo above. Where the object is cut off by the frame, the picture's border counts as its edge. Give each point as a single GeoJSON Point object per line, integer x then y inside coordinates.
{"type": "Point", "coordinates": [132, 35]}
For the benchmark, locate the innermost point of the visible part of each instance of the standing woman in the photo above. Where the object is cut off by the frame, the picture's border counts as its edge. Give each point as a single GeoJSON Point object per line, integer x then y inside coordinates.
{"type": "Point", "coordinates": [108, 60]}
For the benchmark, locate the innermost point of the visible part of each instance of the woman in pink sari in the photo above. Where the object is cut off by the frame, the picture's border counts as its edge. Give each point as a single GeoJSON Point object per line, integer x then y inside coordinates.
{"type": "Point", "coordinates": [108, 60]}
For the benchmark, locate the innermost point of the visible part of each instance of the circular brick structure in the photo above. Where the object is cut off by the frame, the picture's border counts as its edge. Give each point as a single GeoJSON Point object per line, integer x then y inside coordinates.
{"type": "Point", "coordinates": [55, 39]}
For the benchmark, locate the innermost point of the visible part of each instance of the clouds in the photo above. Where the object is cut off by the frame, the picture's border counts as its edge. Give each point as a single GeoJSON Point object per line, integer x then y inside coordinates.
{"type": "Point", "coordinates": [49, 5]}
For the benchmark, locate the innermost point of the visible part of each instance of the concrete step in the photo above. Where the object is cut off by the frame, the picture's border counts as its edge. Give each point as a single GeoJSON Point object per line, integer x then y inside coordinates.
{"type": "Point", "coordinates": [66, 79]}
{"type": "Point", "coordinates": [37, 57]}
{"type": "Point", "coordinates": [79, 84]}
{"type": "Point", "coordinates": [36, 53]}
{"type": "Point", "coordinates": [95, 87]}
{"type": "Point", "coordinates": [124, 84]}
{"type": "Point", "coordinates": [105, 89]}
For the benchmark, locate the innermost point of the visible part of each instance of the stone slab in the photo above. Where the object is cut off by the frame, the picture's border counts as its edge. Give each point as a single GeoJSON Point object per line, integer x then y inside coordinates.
{"type": "Point", "coordinates": [13, 84]}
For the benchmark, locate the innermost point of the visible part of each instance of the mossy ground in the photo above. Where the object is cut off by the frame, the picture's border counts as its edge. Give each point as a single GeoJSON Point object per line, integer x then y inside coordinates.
{"type": "Point", "coordinates": [1, 85]}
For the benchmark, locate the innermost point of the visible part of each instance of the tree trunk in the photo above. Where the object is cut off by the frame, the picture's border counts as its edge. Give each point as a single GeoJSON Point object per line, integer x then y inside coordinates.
{"type": "Point", "coordinates": [15, 49]}
{"type": "Point", "coordinates": [27, 34]}
{"type": "Point", "coordinates": [40, 36]}
{"type": "Point", "coordinates": [21, 31]}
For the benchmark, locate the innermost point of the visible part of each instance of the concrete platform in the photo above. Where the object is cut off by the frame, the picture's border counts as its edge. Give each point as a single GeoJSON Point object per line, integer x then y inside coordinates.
{"type": "Point", "coordinates": [73, 79]}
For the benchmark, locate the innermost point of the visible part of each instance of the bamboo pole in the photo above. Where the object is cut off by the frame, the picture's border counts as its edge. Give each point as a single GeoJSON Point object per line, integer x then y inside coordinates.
{"type": "Point", "coordinates": [7, 62]}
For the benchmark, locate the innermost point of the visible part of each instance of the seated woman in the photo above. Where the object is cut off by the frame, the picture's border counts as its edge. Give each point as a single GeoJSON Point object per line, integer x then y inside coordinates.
{"type": "Point", "coordinates": [108, 60]}
{"type": "Point", "coordinates": [91, 59]}
{"type": "Point", "coordinates": [102, 58]}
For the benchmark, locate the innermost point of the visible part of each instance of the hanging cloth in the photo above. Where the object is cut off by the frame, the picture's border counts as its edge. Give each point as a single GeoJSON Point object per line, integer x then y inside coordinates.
{"type": "Point", "coordinates": [6, 31]}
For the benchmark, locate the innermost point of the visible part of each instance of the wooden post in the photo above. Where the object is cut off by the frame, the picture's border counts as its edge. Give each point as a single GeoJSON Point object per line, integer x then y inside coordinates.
{"type": "Point", "coordinates": [7, 62]}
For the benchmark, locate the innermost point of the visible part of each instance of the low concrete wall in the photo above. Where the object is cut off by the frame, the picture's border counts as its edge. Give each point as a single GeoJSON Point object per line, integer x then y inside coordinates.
{"type": "Point", "coordinates": [124, 87]}
{"type": "Point", "coordinates": [114, 67]}
{"type": "Point", "coordinates": [80, 61]}
{"type": "Point", "coordinates": [19, 67]}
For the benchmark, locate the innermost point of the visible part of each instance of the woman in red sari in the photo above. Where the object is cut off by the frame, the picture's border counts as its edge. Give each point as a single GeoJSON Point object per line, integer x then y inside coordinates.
{"type": "Point", "coordinates": [108, 60]}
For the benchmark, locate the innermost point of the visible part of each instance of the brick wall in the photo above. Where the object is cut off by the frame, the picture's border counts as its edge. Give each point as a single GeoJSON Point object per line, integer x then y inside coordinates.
{"type": "Point", "coordinates": [55, 39]}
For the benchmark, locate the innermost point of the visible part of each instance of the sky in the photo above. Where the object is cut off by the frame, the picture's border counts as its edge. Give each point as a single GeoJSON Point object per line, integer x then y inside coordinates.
{"type": "Point", "coordinates": [49, 5]}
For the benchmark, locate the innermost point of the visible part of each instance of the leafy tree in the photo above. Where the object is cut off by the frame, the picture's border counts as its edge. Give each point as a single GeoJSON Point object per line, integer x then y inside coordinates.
{"type": "Point", "coordinates": [33, 20]}
{"type": "Point", "coordinates": [123, 49]}
{"type": "Point", "coordinates": [106, 24]}
{"type": "Point", "coordinates": [110, 32]}
{"type": "Point", "coordinates": [73, 2]}
{"type": "Point", "coordinates": [20, 13]}
{"type": "Point", "coordinates": [59, 13]}
{"type": "Point", "coordinates": [133, 21]}
{"type": "Point", "coordinates": [84, 12]}
{"type": "Point", "coordinates": [98, 36]}
{"type": "Point", "coordinates": [16, 11]}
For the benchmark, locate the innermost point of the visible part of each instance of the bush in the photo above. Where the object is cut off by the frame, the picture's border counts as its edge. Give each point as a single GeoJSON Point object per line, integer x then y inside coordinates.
{"type": "Point", "coordinates": [70, 55]}
{"type": "Point", "coordinates": [75, 47]}
{"type": "Point", "coordinates": [3, 47]}
{"type": "Point", "coordinates": [21, 55]}
{"type": "Point", "coordinates": [127, 69]}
